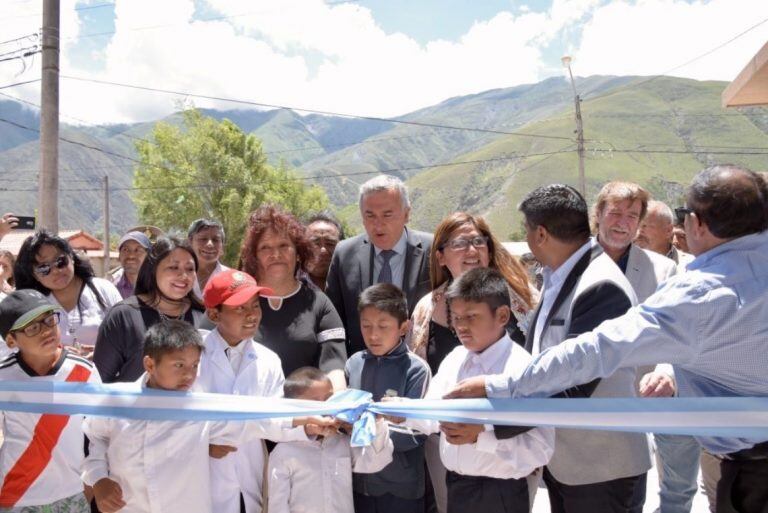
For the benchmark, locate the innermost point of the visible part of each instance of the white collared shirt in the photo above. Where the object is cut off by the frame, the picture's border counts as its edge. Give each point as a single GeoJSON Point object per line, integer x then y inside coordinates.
{"type": "Point", "coordinates": [161, 466]}
{"type": "Point", "coordinates": [198, 291]}
{"type": "Point", "coordinates": [553, 283]}
{"type": "Point", "coordinates": [396, 262]}
{"type": "Point", "coordinates": [316, 476]}
{"type": "Point", "coordinates": [513, 458]}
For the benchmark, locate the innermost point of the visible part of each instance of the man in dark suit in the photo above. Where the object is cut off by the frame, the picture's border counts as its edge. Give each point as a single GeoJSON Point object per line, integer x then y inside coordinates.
{"type": "Point", "coordinates": [387, 252]}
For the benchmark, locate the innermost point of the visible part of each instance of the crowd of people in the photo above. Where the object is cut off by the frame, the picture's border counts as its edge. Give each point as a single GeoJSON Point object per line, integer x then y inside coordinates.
{"type": "Point", "coordinates": [631, 299]}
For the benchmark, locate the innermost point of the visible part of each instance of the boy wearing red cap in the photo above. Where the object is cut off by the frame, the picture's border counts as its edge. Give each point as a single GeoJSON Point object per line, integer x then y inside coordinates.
{"type": "Point", "coordinates": [233, 363]}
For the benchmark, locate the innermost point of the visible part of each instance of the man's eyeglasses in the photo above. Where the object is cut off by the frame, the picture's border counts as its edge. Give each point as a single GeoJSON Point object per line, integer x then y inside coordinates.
{"type": "Point", "coordinates": [681, 212]}
{"type": "Point", "coordinates": [462, 244]}
{"type": "Point", "coordinates": [45, 269]}
{"type": "Point", "coordinates": [34, 329]}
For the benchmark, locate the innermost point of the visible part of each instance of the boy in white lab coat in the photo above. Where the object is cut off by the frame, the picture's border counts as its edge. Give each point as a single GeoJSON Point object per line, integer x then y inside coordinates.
{"type": "Point", "coordinates": [315, 476]}
{"type": "Point", "coordinates": [233, 363]}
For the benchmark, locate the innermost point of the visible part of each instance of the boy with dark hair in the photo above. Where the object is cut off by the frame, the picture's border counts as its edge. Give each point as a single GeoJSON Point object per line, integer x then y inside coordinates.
{"type": "Point", "coordinates": [41, 455]}
{"type": "Point", "coordinates": [387, 368]}
{"type": "Point", "coordinates": [136, 465]}
{"type": "Point", "coordinates": [316, 475]}
{"type": "Point", "coordinates": [233, 363]}
{"type": "Point", "coordinates": [484, 473]}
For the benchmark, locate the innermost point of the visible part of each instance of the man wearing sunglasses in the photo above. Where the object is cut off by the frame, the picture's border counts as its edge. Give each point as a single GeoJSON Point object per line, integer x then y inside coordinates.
{"type": "Point", "coordinates": [709, 323]}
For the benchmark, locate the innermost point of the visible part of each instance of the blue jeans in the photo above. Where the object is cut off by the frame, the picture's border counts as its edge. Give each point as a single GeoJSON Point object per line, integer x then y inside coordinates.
{"type": "Point", "coordinates": [678, 458]}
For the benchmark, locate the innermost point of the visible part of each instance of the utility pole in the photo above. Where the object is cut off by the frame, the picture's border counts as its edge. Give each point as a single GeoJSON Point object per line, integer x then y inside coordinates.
{"type": "Point", "coordinates": [579, 130]}
{"type": "Point", "coordinates": [48, 187]}
{"type": "Point", "coordinates": [106, 226]}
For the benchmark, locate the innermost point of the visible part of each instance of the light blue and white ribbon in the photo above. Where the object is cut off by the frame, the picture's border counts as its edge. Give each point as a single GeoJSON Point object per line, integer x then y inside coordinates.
{"type": "Point", "coordinates": [742, 417]}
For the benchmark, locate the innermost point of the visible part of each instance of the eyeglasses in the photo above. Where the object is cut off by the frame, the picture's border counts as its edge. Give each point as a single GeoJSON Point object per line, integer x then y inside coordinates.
{"type": "Point", "coordinates": [681, 212]}
{"type": "Point", "coordinates": [462, 244]}
{"type": "Point", "coordinates": [45, 269]}
{"type": "Point", "coordinates": [36, 327]}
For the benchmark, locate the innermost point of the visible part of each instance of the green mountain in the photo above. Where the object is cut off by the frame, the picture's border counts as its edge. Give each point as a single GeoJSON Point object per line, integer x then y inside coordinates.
{"type": "Point", "coordinates": [657, 132]}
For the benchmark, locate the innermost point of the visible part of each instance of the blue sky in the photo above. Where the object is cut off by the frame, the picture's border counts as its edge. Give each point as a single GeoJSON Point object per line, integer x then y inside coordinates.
{"type": "Point", "coordinates": [369, 57]}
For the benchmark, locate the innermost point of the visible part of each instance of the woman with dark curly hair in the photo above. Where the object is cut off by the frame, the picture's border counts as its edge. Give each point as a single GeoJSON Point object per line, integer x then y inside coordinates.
{"type": "Point", "coordinates": [298, 322]}
{"type": "Point", "coordinates": [48, 264]}
{"type": "Point", "coordinates": [163, 291]}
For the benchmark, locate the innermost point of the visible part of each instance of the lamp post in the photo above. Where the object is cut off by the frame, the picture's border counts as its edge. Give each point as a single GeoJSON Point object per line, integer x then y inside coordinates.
{"type": "Point", "coordinates": [579, 129]}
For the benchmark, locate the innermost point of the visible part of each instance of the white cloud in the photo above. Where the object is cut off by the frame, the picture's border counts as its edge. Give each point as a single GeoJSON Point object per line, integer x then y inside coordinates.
{"type": "Point", "coordinates": [305, 53]}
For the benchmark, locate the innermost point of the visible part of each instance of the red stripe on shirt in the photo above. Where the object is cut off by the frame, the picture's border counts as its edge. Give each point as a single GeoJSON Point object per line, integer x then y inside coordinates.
{"type": "Point", "coordinates": [38, 453]}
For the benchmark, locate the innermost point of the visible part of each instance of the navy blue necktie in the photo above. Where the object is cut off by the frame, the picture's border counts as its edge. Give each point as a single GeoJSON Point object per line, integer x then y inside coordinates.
{"type": "Point", "coordinates": [385, 274]}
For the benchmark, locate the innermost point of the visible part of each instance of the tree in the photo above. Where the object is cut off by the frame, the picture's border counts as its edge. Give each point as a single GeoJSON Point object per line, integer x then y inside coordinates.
{"type": "Point", "coordinates": [209, 168]}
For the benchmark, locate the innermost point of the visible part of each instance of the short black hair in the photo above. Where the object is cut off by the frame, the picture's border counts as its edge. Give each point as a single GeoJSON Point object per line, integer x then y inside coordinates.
{"type": "Point", "coordinates": [201, 224]}
{"type": "Point", "coordinates": [301, 379]}
{"type": "Point", "coordinates": [731, 200]}
{"type": "Point", "coordinates": [386, 298]}
{"type": "Point", "coordinates": [558, 208]}
{"type": "Point", "coordinates": [326, 217]}
{"type": "Point", "coordinates": [480, 285]}
{"type": "Point", "coordinates": [171, 335]}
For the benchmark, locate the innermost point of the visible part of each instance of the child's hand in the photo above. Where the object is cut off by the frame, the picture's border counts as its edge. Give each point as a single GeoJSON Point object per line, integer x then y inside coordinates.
{"type": "Point", "coordinates": [389, 418]}
{"type": "Point", "coordinates": [109, 495]}
{"type": "Point", "coordinates": [219, 451]}
{"type": "Point", "coordinates": [461, 434]}
{"type": "Point", "coordinates": [317, 426]}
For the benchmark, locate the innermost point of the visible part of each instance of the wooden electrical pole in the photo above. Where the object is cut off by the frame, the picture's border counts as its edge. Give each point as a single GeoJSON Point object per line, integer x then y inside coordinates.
{"type": "Point", "coordinates": [106, 226]}
{"type": "Point", "coordinates": [580, 148]}
{"type": "Point", "coordinates": [48, 187]}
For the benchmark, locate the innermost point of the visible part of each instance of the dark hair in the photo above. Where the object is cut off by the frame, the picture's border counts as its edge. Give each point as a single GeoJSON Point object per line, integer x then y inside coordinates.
{"type": "Point", "coordinates": [272, 217]}
{"type": "Point", "coordinates": [201, 224]}
{"type": "Point", "coordinates": [558, 208]}
{"type": "Point", "coordinates": [386, 298]}
{"type": "Point", "coordinates": [326, 217]}
{"type": "Point", "coordinates": [481, 285]}
{"type": "Point", "coordinates": [171, 335]}
{"type": "Point", "coordinates": [731, 200]}
{"type": "Point", "coordinates": [301, 379]}
{"type": "Point", "coordinates": [24, 275]}
{"type": "Point", "coordinates": [146, 282]}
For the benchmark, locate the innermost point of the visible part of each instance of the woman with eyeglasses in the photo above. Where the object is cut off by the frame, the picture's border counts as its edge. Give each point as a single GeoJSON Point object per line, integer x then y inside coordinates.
{"type": "Point", "coordinates": [298, 322]}
{"type": "Point", "coordinates": [462, 242]}
{"type": "Point", "coordinates": [163, 291]}
{"type": "Point", "coordinates": [48, 264]}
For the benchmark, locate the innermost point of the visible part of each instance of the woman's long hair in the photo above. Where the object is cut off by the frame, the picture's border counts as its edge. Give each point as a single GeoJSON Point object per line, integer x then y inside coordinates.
{"type": "Point", "coordinates": [498, 257]}
{"type": "Point", "coordinates": [23, 270]}
{"type": "Point", "coordinates": [146, 281]}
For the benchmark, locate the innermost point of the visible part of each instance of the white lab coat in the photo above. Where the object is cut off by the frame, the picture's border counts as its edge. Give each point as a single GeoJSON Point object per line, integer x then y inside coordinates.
{"type": "Point", "coordinates": [161, 466]}
{"type": "Point", "coordinates": [316, 476]}
{"type": "Point", "coordinates": [261, 375]}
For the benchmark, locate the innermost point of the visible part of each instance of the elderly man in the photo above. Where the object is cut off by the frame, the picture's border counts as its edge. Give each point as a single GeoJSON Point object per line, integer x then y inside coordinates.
{"type": "Point", "coordinates": [622, 207]}
{"type": "Point", "coordinates": [657, 231]}
{"type": "Point", "coordinates": [131, 250]}
{"type": "Point", "coordinates": [324, 232]}
{"type": "Point", "coordinates": [387, 252]}
{"type": "Point", "coordinates": [708, 322]}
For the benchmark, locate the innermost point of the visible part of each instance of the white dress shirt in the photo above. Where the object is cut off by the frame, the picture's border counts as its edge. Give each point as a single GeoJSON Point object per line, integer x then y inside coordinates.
{"type": "Point", "coordinates": [553, 283]}
{"type": "Point", "coordinates": [161, 466]}
{"type": "Point", "coordinates": [197, 290]}
{"type": "Point", "coordinates": [513, 458]}
{"type": "Point", "coordinates": [316, 476]}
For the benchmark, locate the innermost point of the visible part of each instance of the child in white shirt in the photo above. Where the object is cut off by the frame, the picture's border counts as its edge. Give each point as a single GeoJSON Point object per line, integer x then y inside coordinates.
{"type": "Point", "coordinates": [315, 476]}
{"type": "Point", "coordinates": [41, 455]}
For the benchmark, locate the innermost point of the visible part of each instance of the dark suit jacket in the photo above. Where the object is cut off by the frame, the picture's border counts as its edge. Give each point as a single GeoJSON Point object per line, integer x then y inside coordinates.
{"type": "Point", "coordinates": [351, 272]}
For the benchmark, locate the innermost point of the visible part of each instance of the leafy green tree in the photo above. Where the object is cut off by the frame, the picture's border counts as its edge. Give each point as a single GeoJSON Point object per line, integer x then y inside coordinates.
{"type": "Point", "coordinates": [209, 168]}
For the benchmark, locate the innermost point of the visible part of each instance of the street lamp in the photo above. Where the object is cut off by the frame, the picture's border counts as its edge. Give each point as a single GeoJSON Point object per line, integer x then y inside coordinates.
{"type": "Point", "coordinates": [566, 60]}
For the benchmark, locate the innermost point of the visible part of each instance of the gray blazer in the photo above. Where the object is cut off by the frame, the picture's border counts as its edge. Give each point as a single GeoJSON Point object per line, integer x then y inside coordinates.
{"type": "Point", "coordinates": [351, 272]}
{"type": "Point", "coordinates": [646, 270]}
{"type": "Point", "coordinates": [593, 292]}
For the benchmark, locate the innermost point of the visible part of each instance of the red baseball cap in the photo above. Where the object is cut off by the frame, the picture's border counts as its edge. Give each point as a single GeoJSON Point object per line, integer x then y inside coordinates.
{"type": "Point", "coordinates": [231, 288]}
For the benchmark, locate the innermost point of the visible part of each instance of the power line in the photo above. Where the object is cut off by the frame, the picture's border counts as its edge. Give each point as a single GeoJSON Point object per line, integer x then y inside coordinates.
{"type": "Point", "coordinates": [686, 63]}
{"type": "Point", "coordinates": [26, 54]}
{"type": "Point", "coordinates": [8, 86]}
{"type": "Point", "coordinates": [314, 111]}
{"type": "Point", "coordinates": [28, 36]}
{"type": "Point", "coordinates": [38, 14]}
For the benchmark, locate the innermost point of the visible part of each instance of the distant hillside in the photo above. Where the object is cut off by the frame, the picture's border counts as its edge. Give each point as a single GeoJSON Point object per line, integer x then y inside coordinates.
{"type": "Point", "coordinates": [636, 129]}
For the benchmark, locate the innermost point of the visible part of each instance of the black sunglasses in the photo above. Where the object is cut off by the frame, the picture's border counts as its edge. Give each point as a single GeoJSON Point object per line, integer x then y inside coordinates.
{"type": "Point", "coordinates": [681, 212]}
{"type": "Point", "coordinates": [45, 269]}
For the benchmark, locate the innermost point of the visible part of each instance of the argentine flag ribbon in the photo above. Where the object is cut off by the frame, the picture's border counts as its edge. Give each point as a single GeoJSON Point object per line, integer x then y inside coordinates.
{"type": "Point", "coordinates": [730, 417]}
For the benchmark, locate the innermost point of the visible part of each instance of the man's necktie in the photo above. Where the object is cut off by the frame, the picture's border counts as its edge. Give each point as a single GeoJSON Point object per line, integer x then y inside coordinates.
{"type": "Point", "coordinates": [385, 274]}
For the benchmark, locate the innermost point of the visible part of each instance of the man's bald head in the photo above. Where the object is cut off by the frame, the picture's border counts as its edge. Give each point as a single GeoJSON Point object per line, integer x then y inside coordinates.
{"type": "Point", "coordinates": [732, 201]}
{"type": "Point", "coordinates": [655, 232]}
